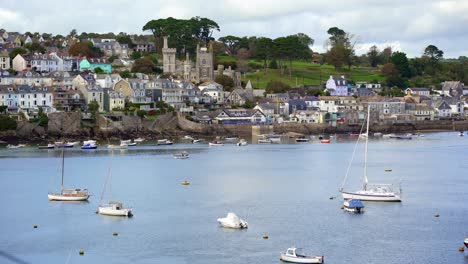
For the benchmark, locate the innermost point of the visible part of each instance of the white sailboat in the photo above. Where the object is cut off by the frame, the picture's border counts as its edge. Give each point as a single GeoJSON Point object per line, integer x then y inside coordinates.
{"type": "Point", "coordinates": [68, 194]}
{"type": "Point", "coordinates": [371, 192]}
{"type": "Point", "coordinates": [112, 208]}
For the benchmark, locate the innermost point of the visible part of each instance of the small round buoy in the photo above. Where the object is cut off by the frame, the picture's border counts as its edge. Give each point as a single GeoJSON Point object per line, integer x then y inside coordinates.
{"type": "Point", "coordinates": [115, 234]}
{"type": "Point", "coordinates": [436, 215]}
{"type": "Point", "coordinates": [81, 252]}
{"type": "Point", "coordinates": [35, 226]}
{"type": "Point", "coordinates": [185, 183]}
{"type": "Point", "coordinates": [461, 249]}
{"type": "Point", "coordinates": [265, 237]}
{"type": "Point", "coordinates": [97, 211]}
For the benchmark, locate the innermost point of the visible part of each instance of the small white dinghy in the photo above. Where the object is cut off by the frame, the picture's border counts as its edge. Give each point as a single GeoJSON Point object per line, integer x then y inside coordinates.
{"type": "Point", "coordinates": [242, 142]}
{"type": "Point", "coordinates": [216, 144]}
{"type": "Point", "coordinates": [115, 209]}
{"type": "Point", "coordinates": [293, 255]}
{"type": "Point", "coordinates": [232, 221]}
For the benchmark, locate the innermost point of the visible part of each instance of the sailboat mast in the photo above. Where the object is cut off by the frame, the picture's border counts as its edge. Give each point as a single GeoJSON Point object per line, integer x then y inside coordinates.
{"type": "Point", "coordinates": [365, 152]}
{"type": "Point", "coordinates": [63, 168]}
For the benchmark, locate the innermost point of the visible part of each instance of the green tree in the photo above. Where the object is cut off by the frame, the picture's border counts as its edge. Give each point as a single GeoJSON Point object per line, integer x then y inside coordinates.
{"type": "Point", "coordinates": [374, 56]}
{"type": "Point", "coordinates": [98, 70]}
{"type": "Point", "coordinates": [336, 56]}
{"type": "Point", "coordinates": [264, 51]}
{"type": "Point", "coordinates": [343, 43]}
{"type": "Point", "coordinates": [42, 119]}
{"type": "Point", "coordinates": [93, 108]}
{"type": "Point", "coordinates": [86, 49]}
{"type": "Point", "coordinates": [135, 55]}
{"type": "Point", "coordinates": [7, 123]}
{"type": "Point", "coordinates": [125, 39]}
{"type": "Point", "coordinates": [73, 33]}
{"type": "Point", "coordinates": [35, 48]}
{"type": "Point", "coordinates": [112, 58]}
{"type": "Point", "coordinates": [433, 53]}
{"type": "Point", "coordinates": [125, 74]}
{"type": "Point", "coordinates": [226, 81]}
{"type": "Point", "coordinates": [273, 64]}
{"type": "Point", "coordinates": [231, 43]}
{"type": "Point", "coordinates": [17, 51]}
{"type": "Point", "coordinates": [3, 109]}
{"type": "Point", "coordinates": [277, 87]}
{"type": "Point", "coordinates": [401, 63]}
{"type": "Point", "coordinates": [144, 65]}
{"type": "Point", "coordinates": [141, 113]}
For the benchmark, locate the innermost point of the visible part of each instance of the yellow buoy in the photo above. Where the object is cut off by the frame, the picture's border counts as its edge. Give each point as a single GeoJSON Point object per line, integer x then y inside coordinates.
{"type": "Point", "coordinates": [35, 226]}
{"type": "Point", "coordinates": [185, 183]}
{"type": "Point", "coordinates": [461, 249]}
{"type": "Point", "coordinates": [265, 237]}
{"type": "Point", "coordinates": [115, 234]}
{"type": "Point", "coordinates": [436, 215]}
{"type": "Point", "coordinates": [81, 252]}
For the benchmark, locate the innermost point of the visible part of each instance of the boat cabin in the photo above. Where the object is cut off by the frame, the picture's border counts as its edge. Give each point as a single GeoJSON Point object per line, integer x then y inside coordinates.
{"type": "Point", "coordinates": [116, 205]}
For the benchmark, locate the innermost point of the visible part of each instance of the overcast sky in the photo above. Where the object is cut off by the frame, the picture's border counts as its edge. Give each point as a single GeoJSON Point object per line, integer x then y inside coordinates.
{"type": "Point", "coordinates": [407, 25]}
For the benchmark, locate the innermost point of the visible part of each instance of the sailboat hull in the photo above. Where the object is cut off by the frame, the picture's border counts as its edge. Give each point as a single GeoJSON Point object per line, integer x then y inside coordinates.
{"type": "Point", "coordinates": [105, 210]}
{"type": "Point", "coordinates": [60, 197]}
{"type": "Point", "coordinates": [371, 197]}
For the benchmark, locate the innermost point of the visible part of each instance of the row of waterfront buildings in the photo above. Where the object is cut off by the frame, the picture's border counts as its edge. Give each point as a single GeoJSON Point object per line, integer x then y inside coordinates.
{"type": "Point", "coordinates": [208, 102]}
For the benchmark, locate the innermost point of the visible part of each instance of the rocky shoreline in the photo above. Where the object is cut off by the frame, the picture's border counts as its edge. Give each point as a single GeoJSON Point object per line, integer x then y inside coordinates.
{"type": "Point", "coordinates": [70, 127]}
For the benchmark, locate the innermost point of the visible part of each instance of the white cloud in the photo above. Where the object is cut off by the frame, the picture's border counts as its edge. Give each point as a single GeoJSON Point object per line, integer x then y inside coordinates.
{"type": "Point", "coordinates": [410, 24]}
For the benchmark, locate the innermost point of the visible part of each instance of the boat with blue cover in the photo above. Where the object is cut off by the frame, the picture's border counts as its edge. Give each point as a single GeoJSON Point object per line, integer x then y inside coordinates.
{"type": "Point", "coordinates": [353, 206]}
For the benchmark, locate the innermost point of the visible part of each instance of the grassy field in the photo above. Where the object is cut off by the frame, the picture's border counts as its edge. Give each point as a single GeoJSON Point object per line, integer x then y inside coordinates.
{"type": "Point", "coordinates": [304, 73]}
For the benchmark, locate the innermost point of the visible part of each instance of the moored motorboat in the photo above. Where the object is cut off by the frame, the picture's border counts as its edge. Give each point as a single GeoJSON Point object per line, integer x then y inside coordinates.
{"type": "Point", "coordinates": [403, 137]}
{"type": "Point", "coordinates": [388, 135]}
{"type": "Point", "coordinates": [181, 155]}
{"type": "Point", "coordinates": [90, 142]}
{"type": "Point", "coordinates": [294, 255]}
{"type": "Point", "coordinates": [231, 138]}
{"type": "Point", "coordinates": [232, 221]}
{"type": "Point", "coordinates": [353, 206]}
{"type": "Point", "coordinates": [162, 142]}
{"type": "Point", "coordinates": [115, 209]}
{"type": "Point", "coordinates": [466, 242]}
{"type": "Point", "coordinates": [139, 140]}
{"type": "Point", "coordinates": [89, 146]}
{"type": "Point", "coordinates": [241, 143]}
{"type": "Point", "coordinates": [325, 141]}
{"type": "Point", "coordinates": [15, 146]}
{"type": "Point", "coordinates": [377, 134]}
{"type": "Point", "coordinates": [264, 141]}
{"type": "Point", "coordinates": [215, 143]}
{"type": "Point", "coordinates": [197, 141]}
{"type": "Point", "coordinates": [49, 146]}
{"type": "Point", "coordinates": [302, 140]}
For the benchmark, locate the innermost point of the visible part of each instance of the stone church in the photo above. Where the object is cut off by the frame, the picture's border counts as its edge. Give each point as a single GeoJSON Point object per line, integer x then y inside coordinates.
{"type": "Point", "coordinates": [200, 71]}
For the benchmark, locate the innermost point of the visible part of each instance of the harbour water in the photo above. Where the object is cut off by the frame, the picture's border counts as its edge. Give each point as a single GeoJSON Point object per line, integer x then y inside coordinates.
{"type": "Point", "coordinates": [283, 191]}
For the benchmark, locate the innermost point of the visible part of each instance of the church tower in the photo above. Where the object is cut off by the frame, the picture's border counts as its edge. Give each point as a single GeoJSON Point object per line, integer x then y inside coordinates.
{"type": "Point", "coordinates": [204, 64]}
{"type": "Point", "coordinates": [169, 58]}
{"type": "Point", "coordinates": [187, 68]}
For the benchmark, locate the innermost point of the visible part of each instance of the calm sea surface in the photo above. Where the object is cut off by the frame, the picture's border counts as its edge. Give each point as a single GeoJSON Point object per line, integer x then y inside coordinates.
{"type": "Point", "coordinates": [282, 190]}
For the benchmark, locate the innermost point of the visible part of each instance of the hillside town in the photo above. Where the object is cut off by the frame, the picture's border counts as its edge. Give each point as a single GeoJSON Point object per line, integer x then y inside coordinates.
{"type": "Point", "coordinates": [52, 80]}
